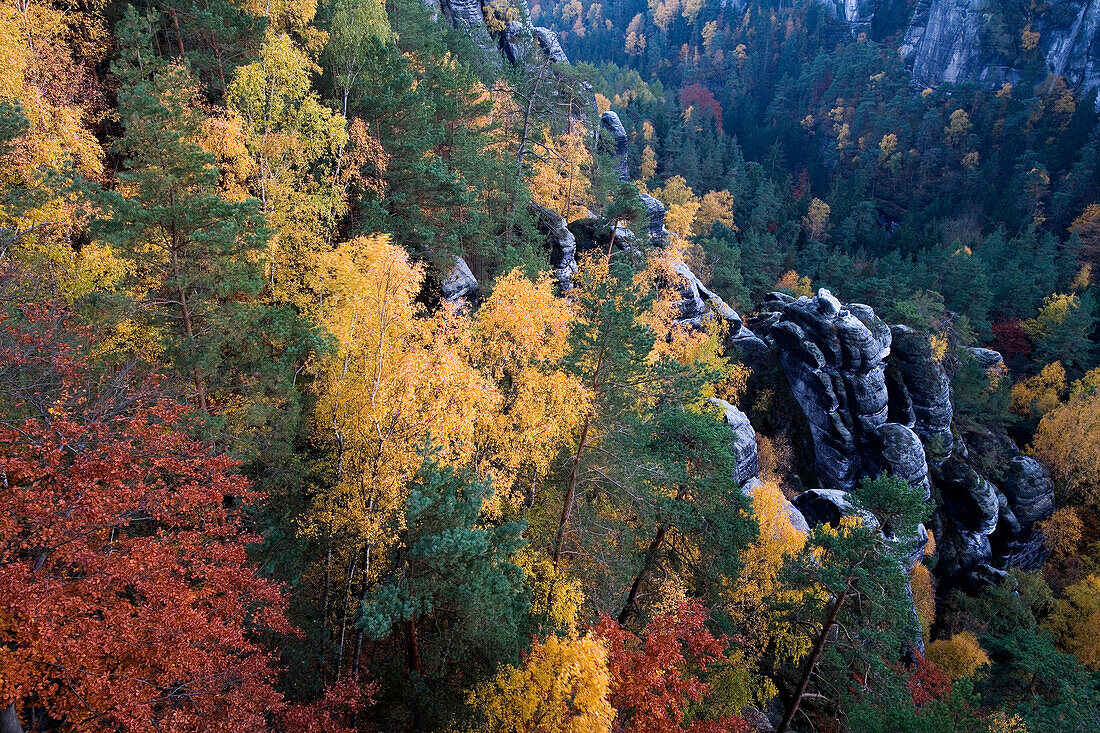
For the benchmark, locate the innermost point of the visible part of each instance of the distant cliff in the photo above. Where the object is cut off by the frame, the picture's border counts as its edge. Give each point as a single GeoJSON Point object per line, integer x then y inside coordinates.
{"type": "Point", "coordinates": [992, 42]}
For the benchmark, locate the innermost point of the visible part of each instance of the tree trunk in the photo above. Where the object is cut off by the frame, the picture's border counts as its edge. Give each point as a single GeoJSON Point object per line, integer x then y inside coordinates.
{"type": "Point", "coordinates": [9, 720]}
{"type": "Point", "coordinates": [811, 662]}
{"type": "Point", "coordinates": [413, 660]}
{"type": "Point", "coordinates": [650, 557]}
{"type": "Point", "coordinates": [571, 492]}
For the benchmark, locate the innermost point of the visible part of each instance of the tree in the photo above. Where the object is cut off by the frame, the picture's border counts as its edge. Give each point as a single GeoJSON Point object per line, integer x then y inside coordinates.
{"type": "Point", "coordinates": [449, 563]}
{"type": "Point", "coordinates": [130, 603]}
{"type": "Point", "coordinates": [1063, 331]}
{"type": "Point", "coordinates": [608, 349]}
{"type": "Point", "coordinates": [762, 562]}
{"type": "Point", "coordinates": [193, 280]}
{"type": "Point", "coordinates": [1074, 464]}
{"type": "Point", "coordinates": [1076, 621]}
{"type": "Point", "coordinates": [562, 687]}
{"type": "Point", "coordinates": [302, 152]}
{"type": "Point", "coordinates": [958, 657]}
{"type": "Point", "coordinates": [857, 583]}
{"type": "Point", "coordinates": [658, 681]}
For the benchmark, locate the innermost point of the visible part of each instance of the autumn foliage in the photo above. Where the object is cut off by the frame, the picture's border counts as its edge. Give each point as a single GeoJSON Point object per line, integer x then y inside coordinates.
{"type": "Point", "coordinates": [657, 679]}
{"type": "Point", "coordinates": [129, 603]}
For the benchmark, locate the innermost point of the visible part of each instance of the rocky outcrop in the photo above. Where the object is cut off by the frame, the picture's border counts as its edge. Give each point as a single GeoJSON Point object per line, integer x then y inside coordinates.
{"type": "Point", "coordinates": [856, 14]}
{"type": "Point", "coordinates": [945, 42]}
{"type": "Point", "coordinates": [460, 283]}
{"type": "Point", "coordinates": [744, 441]}
{"type": "Point", "coordinates": [833, 358]}
{"type": "Point", "coordinates": [548, 42]}
{"type": "Point", "coordinates": [563, 243]}
{"type": "Point", "coordinates": [1025, 495]}
{"type": "Point", "coordinates": [613, 126]}
{"type": "Point", "coordinates": [923, 385]}
{"type": "Point", "coordinates": [876, 400]}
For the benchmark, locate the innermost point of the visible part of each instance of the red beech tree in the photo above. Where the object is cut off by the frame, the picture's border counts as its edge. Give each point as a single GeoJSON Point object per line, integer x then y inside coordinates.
{"type": "Point", "coordinates": [128, 602]}
{"type": "Point", "coordinates": [702, 99]}
{"type": "Point", "coordinates": [654, 680]}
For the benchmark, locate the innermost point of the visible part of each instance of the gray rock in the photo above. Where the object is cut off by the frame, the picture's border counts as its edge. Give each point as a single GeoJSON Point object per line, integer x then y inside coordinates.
{"type": "Point", "coordinates": [744, 441]}
{"type": "Point", "coordinates": [460, 282]}
{"type": "Point", "coordinates": [823, 506]}
{"type": "Point", "coordinates": [959, 550]}
{"type": "Point", "coordinates": [656, 213]}
{"type": "Point", "coordinates": [987, 358]}
{"type": "Point", "coordinates": [898, 451]}
{"type": "Point", "coordinates": [1029, 490]}
{"type": "Point", "coordinates": [610, 122]}
{"type": "Point", "coordinates": [856, 14]}
{"type": "Point", "coordinates": [563, 243]}
{"type": "Point", "coordinates": [548, 42]}
{"type": "Point", "coordinates": [945, 42]}
{"type": "Point", "coordinates": [968, 498]}
{"type": "Point", "coordinates": [928, 388]}
{"type": "Point", "coordinates": [833, 361]}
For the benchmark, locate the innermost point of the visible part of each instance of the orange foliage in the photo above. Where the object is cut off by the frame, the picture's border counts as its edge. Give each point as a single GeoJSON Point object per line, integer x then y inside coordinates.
{"type": "Point", "coordinates": [656, 680]}
{"type": "Point", "coordinates": [128, 595]}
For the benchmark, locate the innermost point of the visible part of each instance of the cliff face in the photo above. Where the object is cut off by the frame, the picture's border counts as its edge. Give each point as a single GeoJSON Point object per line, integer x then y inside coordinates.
{"type": "Point", "coordinates": [876, 400]}
{"type": "Point", "coordinates": [956, 40]}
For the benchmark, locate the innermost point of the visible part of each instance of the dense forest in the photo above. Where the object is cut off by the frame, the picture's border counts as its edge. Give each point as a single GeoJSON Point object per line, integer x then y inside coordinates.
{"type": "Point", "coordinates": [572, 367]}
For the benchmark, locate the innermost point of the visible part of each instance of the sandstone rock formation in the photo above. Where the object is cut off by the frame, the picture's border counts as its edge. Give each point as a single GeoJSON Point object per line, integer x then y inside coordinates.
{"type": "Point", "coordinates": [944, 43]}
{"type": "Point", "coordinates": [834, 362]}
{"type": "Point", "coordinates": [744, 441]}
{"type": "Point", "coordinates": [563, 243]}
{"type": "Point", "coordinates": [877, 400]}
{"type": "Point", "coordinates": [613, 126]}
{"type": "Point", "coordinates": [460, 282]}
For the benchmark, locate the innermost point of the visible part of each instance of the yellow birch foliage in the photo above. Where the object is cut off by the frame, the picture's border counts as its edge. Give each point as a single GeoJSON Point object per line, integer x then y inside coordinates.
{"type": "Point", "coordinates": [521, 332]}
{"type": "Point", "coordinates": [1062, 533]}
{"type": "Point", "coordinates": [38, 70]}
{"type": "Point", "coordinates": [1042, 393]}
{"type": "Point", "coordinates": [682, 205]}
{"type": "Point", "coordinates": [1076, 621]}
{"type": "Point", "coordinates": [1068, 444]}
{"type": "Point", "coordinates": [395, 379]}
{"type": "Point", "coordinates": [563, 687]}
{"type": "Point", "coordinates": [759, 579]}
{"type": "Point", "coordinates": [716, 207]}
{"type": "Point", "coordinates": [560, 180]}
{"type": "Point", "coordinates": [957, 657]}
{"type": "Point", "coordinates": [924, 598]}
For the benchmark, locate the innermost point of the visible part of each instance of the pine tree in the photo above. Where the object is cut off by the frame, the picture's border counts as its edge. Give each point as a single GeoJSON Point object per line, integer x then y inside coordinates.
{"type": "Point", "coordinates": [857, 604]}
{"type": "Point", "coordinates": [451, 586]}
{"type": "Point", "coordinates": [194, 281]}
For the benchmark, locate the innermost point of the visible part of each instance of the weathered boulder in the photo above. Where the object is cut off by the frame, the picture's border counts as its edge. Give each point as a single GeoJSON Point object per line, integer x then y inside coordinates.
{"type": "Point", "coordinates": [987, 358]}
{"type": "Point", "coordinates": [597, 234]}
{"type": "Point", "coordinates": [548, 42]}
{"type": "Point", "coordinates": [834, 363]}
{"type": "Point", "coordinates": [823, 506]}
{"type": "Point", "coordinates": [655, 212]}
{"type": "Point", "coordinates": [927, 387]}
{"type": "Point", "coordinates": [563, 243]}
{"type": "Point", "coordinates": [611, 123]}
{"type": "Point", "coordinates": [460, 282]}
{"type": "Point", "coordinates": [1028, 497]}
{"type": "Point", "coordinates": [898, 451]}
{"type": "Point", "coordinates": [1029, 490]}
{"type": "Point", "coordinates": [967, 498]}
{"type": "Point", "coordinates": [744, 441]}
